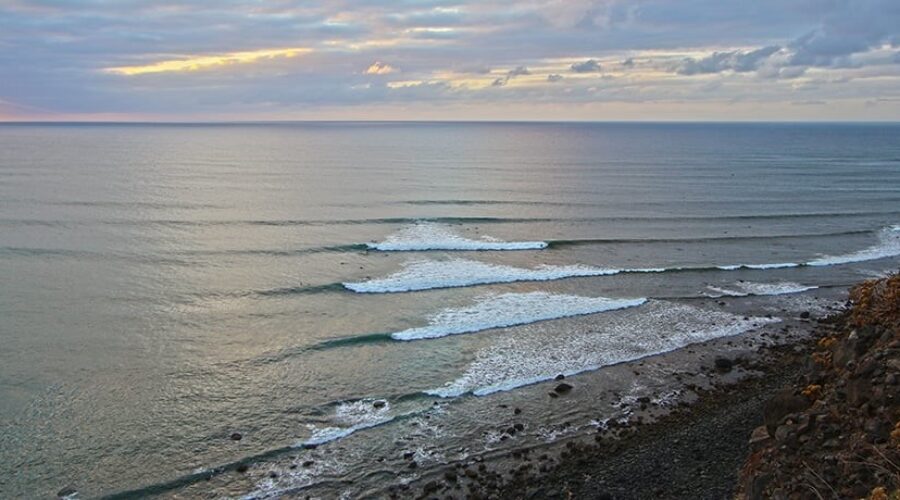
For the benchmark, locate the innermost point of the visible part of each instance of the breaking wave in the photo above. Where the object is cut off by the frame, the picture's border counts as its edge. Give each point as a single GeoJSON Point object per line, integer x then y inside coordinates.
{"type": "Point", "coordinates": [510, 309]}
{"type": "Point", "coordinates": [432, 236]}
{"type": "Point", "coordinates": [659, 327]}
{"type": "Point", "coordinates": [745, 288]}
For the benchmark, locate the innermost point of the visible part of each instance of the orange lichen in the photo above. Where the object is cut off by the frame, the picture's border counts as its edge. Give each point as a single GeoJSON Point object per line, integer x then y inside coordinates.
{"type": "Point", "coordinates": [895, 434]}
{"type": "Point", "coordinates": [812, 391]}
{"type": "Point", "coordinates": [877, 303]}
{"type": "Point", "coordinates": [822, 358]}
{"type": "Point", "coordinates": [826, 342]}
{"type": "Point", "coordinates": [878, 493]}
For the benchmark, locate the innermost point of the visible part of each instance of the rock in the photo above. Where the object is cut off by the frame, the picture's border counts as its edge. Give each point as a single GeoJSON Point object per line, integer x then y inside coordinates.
{"type": "Point", "coordinates": [431, 487]}
{"type": "Point", "coordinates": [858, 391]}
{"type": "Point", "coordinates": [781, 405]}
{"type": "Point", "coordinates": [562, 388]}
{"type": "Point", "coordinates": [236, 436]}
{"type": "Point", "coordinates": [786, 434]}
{"type": "Point", "coordinates": [758, 486]}
{"type": "Point", "coordinates": [379, 403]}
{"type": "Point", "coordinates": [845, 351]}
{"type": "Point", "coordinates": [67, 491]}
{"type": "Point", "coordinates": [877, 430]}
{"type": "Point", "coordinates": [759, 438]}
{"type": "Point", "coordinates": [723, 365]}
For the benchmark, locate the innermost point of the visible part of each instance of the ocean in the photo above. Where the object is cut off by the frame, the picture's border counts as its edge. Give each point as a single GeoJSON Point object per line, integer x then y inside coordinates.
{"type": "Point", "coordinates": [351, 297]}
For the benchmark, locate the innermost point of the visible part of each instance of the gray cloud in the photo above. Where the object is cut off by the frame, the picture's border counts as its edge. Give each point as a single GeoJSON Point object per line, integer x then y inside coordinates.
{"type": "Point", "coordinates": [589, 66]}
{"type": "Point", "coordinates": [517, 71]}
{"type": "Point", "coordinates": [737, 61]}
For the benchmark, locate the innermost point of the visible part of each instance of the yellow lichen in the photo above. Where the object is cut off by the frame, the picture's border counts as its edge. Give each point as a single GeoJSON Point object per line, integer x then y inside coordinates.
{"type": "Point", "coordinates": [812, 391]}
{"type": "Point", "coordinates": [826, 342]}
{"type": "Point", "coordinates": [877, 302]}
{"type": "Point", "coordinates": [878, 493]}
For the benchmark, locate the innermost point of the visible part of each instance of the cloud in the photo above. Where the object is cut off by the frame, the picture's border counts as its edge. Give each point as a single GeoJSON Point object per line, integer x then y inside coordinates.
{"type": "Point", "coordinates": [68, 57]}
{"type": "Point", "coordinates": [196, 63]}
{"type": "Point", "coordinates": [379, 68]}
{"type": "Point", "coordinates": [589, 66]}
{"type": "Point", "coordinates": [855, 27]}
{"type": "Point", "coordinates": [517, 71]}
{"type": "Point", "coordinates": [737, 61]}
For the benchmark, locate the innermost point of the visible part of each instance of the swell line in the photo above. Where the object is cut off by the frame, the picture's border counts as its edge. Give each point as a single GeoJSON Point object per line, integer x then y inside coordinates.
{"type": "Point", "coordinates": [335, 343]}
{"type": "Point", "coordinates": [449, 220]}
{"type": "Point", "coordinates": [595, 241]}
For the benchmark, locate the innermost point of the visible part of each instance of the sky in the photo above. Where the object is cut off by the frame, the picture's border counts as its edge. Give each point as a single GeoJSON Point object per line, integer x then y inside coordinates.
{"type": "Point", "coordinates": [228, 60]}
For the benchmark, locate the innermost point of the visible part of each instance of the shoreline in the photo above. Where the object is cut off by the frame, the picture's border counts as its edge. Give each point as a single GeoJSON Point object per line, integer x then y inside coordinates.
{"type": "Point", "coordinates": [707, 448]}
{"type": "Point", "coordinates": [695, 447]}
{"type": "Point", "coordinates": [679, 393]}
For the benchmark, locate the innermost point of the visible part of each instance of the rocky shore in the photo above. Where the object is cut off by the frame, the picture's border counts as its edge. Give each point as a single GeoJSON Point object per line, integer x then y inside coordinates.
{"type": "Point", "coordinates": [837, 433]}
{"type": "Point", "coordinates": [818, 418]}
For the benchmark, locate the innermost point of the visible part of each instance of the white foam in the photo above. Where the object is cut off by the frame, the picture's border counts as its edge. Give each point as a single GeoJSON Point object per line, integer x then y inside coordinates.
{"type": "Point", "coordinates": [544, 351]}
{"type": "Point", "coordinates": [428, 274]}
{"type": "Point", "coordinates": [431, 236]}
{"type": "Point", "coordinates": [888, 246]}
{"type": "Point", "coordinates": [745, 288]}
{"type": "Point", "coordinates": [351, 417]}
{"type": "Point", "coordinates": [779, 265]}
{"type": "Point", "coordinates": [510, 309]}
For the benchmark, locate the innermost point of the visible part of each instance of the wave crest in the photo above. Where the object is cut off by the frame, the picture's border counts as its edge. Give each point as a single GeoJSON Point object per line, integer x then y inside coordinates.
{"type": "Point", "coordinates": [745, 288]}
{"type": "Point", "coordinates": [425, 236]}
{"type": "Point", "coordinates": [510, 309]}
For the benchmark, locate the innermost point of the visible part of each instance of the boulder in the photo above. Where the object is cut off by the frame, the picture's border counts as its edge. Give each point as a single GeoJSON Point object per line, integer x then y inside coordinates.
{"type": "Point", "coordinates": [65, 492]}
{"type": "Point", "coordinates": [759, 438]}
{"type": "Point", "coordinates": [562, 388]}
{"type": "Point", "coordinates": [779, 406]}
{"type": "Point", "coordinates": [858, 391]}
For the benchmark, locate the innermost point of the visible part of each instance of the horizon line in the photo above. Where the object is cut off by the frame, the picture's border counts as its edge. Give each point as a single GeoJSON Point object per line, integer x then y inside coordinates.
{"type": "Point", "coordinates": [449, 121]}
